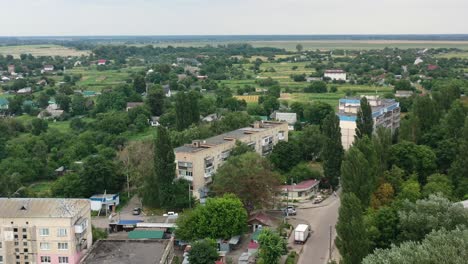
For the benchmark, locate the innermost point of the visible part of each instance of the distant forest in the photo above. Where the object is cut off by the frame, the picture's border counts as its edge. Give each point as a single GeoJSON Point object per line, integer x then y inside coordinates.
{"type": "Point", "coordinates": [92, 40]}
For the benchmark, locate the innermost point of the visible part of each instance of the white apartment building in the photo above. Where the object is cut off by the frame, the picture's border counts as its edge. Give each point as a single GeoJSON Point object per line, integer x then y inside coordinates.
{"type": "Point", "coordinates": [339, 75]}
{"type": "Point", "coordinates": [197, 162]}
{"type": "Point", "coordinates": [44, 230]}
{"type": "Point", "coordinates": [385, 112]}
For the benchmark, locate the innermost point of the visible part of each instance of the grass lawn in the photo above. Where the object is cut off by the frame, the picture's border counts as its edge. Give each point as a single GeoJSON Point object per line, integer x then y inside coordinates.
{"type": "Point", "coordinates": [95, 80]}
{"type": "Point", "coordinates": [61, 126]}
{"type": "Point", "coordinates": [41, 50]}
{"type": "Point", "coordinates": [462, 55]}
{"type": "Point", "coordinates": [41, 189]}
{"type": "Point", "coordinates": [148, 134]}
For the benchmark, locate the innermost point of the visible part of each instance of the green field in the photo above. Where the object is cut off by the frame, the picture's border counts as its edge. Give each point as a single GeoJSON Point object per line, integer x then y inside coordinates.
{"type": "Point", "coordinates": [95, 80]}
{"type": "Point", "coordinates": [41, 50]}
{"type": "Point", "coordinates": [328, 45]}
{"type": "Point", "coordinates": [461, 55]}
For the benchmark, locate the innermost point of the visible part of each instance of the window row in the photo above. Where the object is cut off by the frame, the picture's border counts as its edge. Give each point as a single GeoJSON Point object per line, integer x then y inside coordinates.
{"type": "Point", "coordinates": [60, 245]}
{"type": "Point", "coordinates": [47, 260]}
{"type": "Point", "coordinates": [61, 232]}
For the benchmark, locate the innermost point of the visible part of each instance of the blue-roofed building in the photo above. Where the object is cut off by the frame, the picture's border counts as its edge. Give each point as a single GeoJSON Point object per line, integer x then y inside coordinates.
{"type": "Point", "coordinates": [385, 112]}
{"type": "Point", "coordinates": [3, 104]}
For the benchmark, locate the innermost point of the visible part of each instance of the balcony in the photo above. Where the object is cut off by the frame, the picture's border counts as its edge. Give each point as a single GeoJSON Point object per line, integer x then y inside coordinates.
{"type": "Point", "coordinates": [81, 225]}
{"type": "Point", "coordinates": [185, 177]}
{"type": "Point", "coordinates": [209, 172]}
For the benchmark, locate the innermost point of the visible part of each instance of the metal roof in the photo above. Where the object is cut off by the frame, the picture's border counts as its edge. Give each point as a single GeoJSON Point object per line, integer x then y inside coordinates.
{"type": "Point", "coordinates": [229, 136]}
{"type": "Point", "coordinates": [41, 207]}
{"type": "Point", "coordinates": [146, 234]}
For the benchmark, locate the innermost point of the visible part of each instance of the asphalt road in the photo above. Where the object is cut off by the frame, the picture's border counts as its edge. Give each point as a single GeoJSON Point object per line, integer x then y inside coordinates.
{"type": "Point", "coordinates": [316, 249]}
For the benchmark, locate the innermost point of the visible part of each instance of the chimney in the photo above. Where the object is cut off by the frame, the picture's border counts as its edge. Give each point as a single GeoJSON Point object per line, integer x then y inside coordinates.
{"type": "Point", "coordinates": [196, 143]}
{"type": "Point", "coordinates": [257, 124]}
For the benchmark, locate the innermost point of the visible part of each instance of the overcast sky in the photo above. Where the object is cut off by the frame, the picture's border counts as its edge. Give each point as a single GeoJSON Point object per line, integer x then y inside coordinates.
{"type": "Point", "coordinates": [231, 17]}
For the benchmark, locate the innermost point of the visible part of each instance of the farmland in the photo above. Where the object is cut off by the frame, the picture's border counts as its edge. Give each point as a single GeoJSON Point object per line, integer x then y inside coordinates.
{"type": "Point", "coordinates": [290, 45]}
{"type": "Point", "coordinates": [41, 50]}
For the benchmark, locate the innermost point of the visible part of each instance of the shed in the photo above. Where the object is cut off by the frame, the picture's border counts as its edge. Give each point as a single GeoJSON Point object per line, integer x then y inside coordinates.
{"type": "Point", "coordinates": [100, 201]}
{"type": "Point", "coordinates": [146, 234]}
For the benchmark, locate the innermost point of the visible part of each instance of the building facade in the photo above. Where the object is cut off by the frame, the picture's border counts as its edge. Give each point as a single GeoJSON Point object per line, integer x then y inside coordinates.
{"type": "Point", "coordinates": [300, 191]}
{"type": "Point", "coordinates": [339, 75]}
{"type": "Point", "coordinates": [385, 113]}
{"type": "Point", "coordinates": [44, 230]}
{"type": "Point", "coordinates": [197, 162]}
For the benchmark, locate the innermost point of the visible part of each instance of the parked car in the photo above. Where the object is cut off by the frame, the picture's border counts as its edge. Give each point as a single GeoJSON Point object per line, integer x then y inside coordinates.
{"type": "Point", "coordinates": [290, 210]}
{"type": "Point", "coordinates": [171, 214]}
{"type": "Point", "coordinates": [318, 199]}
{"type": "Point", "coordinates": [137, 211]}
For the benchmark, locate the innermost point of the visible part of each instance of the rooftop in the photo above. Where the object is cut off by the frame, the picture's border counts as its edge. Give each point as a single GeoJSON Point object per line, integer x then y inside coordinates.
{"type": "Point", "coordinates": [229, 136]}
{"type": "Point", "coordinates": [41, 207]}
{"type": "Point", "coordinates": [304, 185]}
{"type": "Point", "coordinates": [126, 251]}
{"type": "Point", "coordinates": [355, 103]}
{"type": "Point", "coordinates": [334, 71]}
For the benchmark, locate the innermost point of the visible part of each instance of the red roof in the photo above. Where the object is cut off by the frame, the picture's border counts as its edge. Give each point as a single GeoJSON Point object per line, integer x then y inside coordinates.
{"type": "Point", "coordinates": [262, 218]}
{"type": "Point", "coordinates": [253, 245]}
{"type": "Point", "coordinates": [300, 186]}
{"type": "Point", "coordinates": [432, 67]}
{"type": "Point", "coordinates": [102, 61]}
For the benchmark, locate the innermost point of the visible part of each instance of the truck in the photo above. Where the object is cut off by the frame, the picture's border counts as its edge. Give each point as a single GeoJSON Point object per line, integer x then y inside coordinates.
{"type": "Point", "coordinates": [301, 233]}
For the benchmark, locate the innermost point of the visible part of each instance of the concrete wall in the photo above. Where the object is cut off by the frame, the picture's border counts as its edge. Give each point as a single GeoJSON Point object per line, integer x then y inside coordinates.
{"type": "Point", "coordinates": [197, 158]}
{"type": "Point", "coordinates": [29, 245]}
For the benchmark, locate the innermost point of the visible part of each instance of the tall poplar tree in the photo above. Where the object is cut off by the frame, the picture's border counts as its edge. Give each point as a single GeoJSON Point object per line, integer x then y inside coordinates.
{"type": "Point", "coordinates": [364, 121]}
{"type": "Point", "coordinates": [352, 240]}
{"type": "Point", "coordinates": [333, 150]}
{"type": "Point", "coordinates": [157, 190]}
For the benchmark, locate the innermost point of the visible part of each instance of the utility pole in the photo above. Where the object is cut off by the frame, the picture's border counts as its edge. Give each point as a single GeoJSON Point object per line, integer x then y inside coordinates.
{"type": "Point", "coordinates": [128, 182]}
{"type": "Point", "coordinates": [189, 197]}
{"type": "Point", "coordinates": [330, 245]}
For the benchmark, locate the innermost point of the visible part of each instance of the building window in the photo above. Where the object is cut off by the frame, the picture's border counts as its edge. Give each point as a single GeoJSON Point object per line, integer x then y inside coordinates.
{"type": "Point", "coordinates": [25, 250]}
{"type": "Point", "coordinates": [25, 236]}
{"type": "Point", "coordinates": [62, 232]}
{"type": "Point", "coordinates": [16, 243]}
{"type": "Point", "coordinates": [44, 231]}
{"type": "Point", "coordinates": [17, 250]}
{"type": "Point", "coordinates": [25, 244]}
{"type": "Point", "coordinates": [63, 260]}
{"type": "Point", "coordinates": [15, 230]}
{"type": "Point", "coordinates": [1, 259]}
{"type": "Point", "coordinates": [44, 246]}
{"type": "Point", "coordinates": [45, 260]}
{"type": "Point", "coordinates": [0, 244]}
{"type": "Point", "coordinates": [63, 246]}
{"type": "Point", "coordinates": [24, 230]}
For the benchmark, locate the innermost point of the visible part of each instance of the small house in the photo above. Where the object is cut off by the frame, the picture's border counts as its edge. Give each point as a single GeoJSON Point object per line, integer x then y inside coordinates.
{"type": "Point", "coordinates": [102, 62]}
{"type": "Point", "coordinates": [432, 67]}
{"type": "Point", "coordinates": [210, 118]}
{"type": "Point", "coordinates": [5, 79]}
{"type": "Point", "coordinates": [335, 74]}
{"type": "Point", "coordinates": [167, 90]}
{"type": "Point", "coordinates": [52, 111]}
{"type": "Point", "coordinates": [202, 77]}
{"type": "Point", "coordinates": [261, 219]}
{"type": "Point", "coordinates": [48, 68]}
{"type": "Point", "coordinates": [42, 82]}
{"type": "Point", "coordinates": [26, 90]}
{"type": "Point", "coordinates": [11, 68]}
{"type": "Point", "coordinates": [106, 202]}
{"type": "Point", "coordinates": [131, 105]}
{"type": "Point", "coordinates": [403, 94]}
{"type": "Point", "coordinates": [154, 121]}
{"type": "Point", "coordinates": [290, 118]}
{"type": "Point", "coordinates": [301, 191]}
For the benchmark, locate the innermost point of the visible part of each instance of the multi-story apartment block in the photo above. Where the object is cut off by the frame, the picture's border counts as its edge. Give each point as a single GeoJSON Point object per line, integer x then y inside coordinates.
{"type": "Point", "coordinates": [44, 231]}
{"type": "Point", "coordinates": [385, 113]}
{"type": "Point", "coordinates": [197, 162]}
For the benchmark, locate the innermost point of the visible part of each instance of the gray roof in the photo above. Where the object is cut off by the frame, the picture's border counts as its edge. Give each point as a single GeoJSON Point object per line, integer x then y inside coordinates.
{"type": "Point", "coordinates": [126, 251]}
{"type": "Point", "coordinates": [229, 136]}
{"type": "Point", "coordinates": [41, 207]}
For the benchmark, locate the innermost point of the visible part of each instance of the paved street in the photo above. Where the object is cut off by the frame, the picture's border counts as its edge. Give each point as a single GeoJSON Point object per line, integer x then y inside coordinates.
{"type": "Point", "coordinates": [320, 217]}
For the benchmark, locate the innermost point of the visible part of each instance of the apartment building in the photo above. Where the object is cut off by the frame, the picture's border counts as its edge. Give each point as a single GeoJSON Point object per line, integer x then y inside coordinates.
{"type": "Point", "coordinates": [44, 230]}
{"type": "Point", "coordinates": [385, 112]}
{"type": "Point", "coordinates": [197, 162]}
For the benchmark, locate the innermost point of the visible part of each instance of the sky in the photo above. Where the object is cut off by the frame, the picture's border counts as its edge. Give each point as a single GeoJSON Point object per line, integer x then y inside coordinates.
{"type": "Point", "coordinates": [229, 17]}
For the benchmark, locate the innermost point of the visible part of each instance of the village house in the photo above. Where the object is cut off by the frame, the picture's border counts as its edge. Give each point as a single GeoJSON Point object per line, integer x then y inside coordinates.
{"type": "Point", "coordinates": [26, 90]}
{"type": "Point", "coordinates": [131, 105]}
{"type": "Point", "coordinates": [3, 104]}
{"type": "Point", "coordinates": [48, 68]}
{"type": "Point", "coordinates": [335, 74]}
{"type": "Point", "coordinates": [11, 68]}
{"type": "Point", "coordinates": [167, 90]}
{"type": "Point", "coordinates": [52, 111]}
{"type": "Point", "coordinates": [403, 94]}
{"type": "Point", "coordinates": [300, 191]}
{"type": "Point", "coordinates": [154, 121]}
{"type": "Point", "coordinates": [101, 62]}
